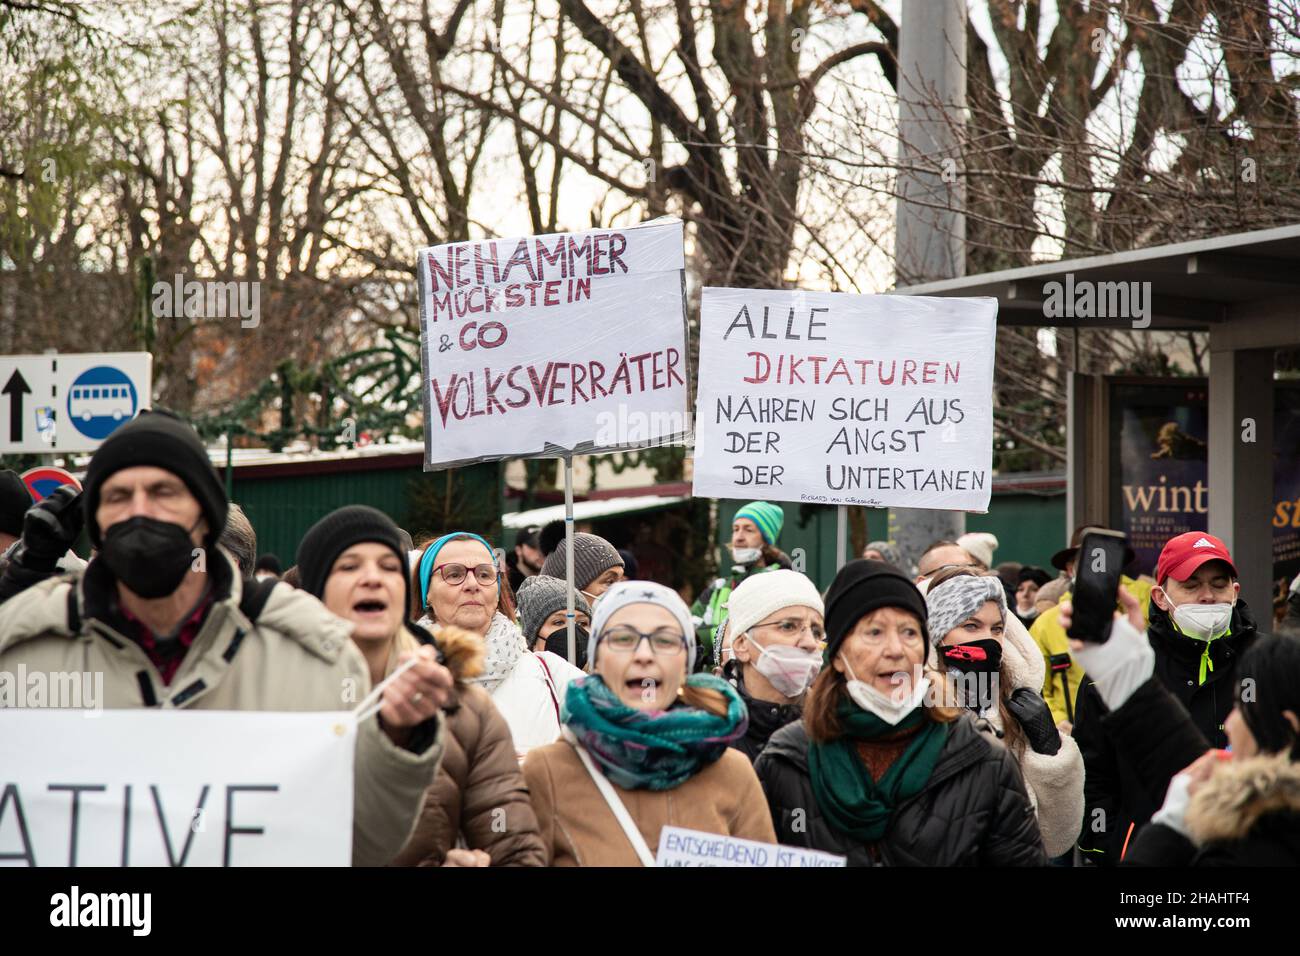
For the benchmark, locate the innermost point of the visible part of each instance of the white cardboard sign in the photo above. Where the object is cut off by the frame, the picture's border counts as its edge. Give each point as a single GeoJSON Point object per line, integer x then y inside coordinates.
{"type": "Point", "coordinates": [679, 846]}
{"type": "Point", "coordinates": [541, 345]}
{"type": "Point", "coordinates": [876, 400]}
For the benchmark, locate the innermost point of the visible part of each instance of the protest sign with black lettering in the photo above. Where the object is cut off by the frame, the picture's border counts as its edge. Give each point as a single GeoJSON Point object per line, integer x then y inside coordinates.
{"type": "Point", "coordinates": [175, 788]}
{"type": "Point", "coordinates": [543, 345]}
{"type": "Point", "coordinates": [679, 846]}
{"type": "Point", "coordinates": [876, 400]}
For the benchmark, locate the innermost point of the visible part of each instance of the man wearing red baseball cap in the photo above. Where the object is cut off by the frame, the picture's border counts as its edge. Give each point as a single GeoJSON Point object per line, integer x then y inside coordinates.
{"type": "Point", "coordinates": [1198, 589]}
{"type": "Point", "coordinates": [1198, 628]}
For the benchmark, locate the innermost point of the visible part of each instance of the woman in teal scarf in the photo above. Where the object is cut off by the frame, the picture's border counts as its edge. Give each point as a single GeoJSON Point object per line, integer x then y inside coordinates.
{"type": "Point", "coordinates": [645, 745]}
{"type": "Point", "coordinates": [885, 767]}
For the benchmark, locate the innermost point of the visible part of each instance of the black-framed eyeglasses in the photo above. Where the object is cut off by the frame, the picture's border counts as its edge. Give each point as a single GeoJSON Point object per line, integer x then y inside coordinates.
{"type": "Point", "coordinates": [454, 574]}
{"type": "Point", "coordinates": [625, 639]}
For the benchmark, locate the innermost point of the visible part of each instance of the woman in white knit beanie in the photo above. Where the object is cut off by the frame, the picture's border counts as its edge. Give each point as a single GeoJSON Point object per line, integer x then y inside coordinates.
{"type": "Point", "coordinates": [775, 627]}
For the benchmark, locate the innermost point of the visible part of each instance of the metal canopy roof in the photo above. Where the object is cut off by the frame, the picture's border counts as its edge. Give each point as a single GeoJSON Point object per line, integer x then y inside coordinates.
{"type": "Point", "coordinates": [1193, 284]}
{"type": "Point", "coordinates": [590, 510]}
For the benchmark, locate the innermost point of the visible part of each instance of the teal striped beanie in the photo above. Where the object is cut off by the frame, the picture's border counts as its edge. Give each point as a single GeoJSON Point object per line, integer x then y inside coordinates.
{"type": "Point", "coordinates": [769, 519]}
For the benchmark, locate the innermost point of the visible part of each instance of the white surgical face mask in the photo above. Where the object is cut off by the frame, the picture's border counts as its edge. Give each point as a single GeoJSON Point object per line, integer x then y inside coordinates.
{"type": "Point", "coordinates": [788, 669]}
{"type": "Point", "coordinates": [746, 556]}
{"type": "Point", "coordinates": [887, 707]}
{"type": "Point", "coordinates": [1204, 622]}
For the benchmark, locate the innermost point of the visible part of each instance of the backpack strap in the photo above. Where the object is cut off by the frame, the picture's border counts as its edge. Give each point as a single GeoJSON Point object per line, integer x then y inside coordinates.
{"type": "Point", "coordinates": [255, 596]}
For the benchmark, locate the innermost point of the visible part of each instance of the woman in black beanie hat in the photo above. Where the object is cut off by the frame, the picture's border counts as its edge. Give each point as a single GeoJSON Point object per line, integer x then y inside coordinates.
{"type": "Point", "coordinates": [355, 561]}
{"type": "Point", "coordinates": [878, 770]}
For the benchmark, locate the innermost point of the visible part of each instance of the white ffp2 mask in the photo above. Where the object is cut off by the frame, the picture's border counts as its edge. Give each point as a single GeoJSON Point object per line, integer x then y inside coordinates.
{"type": "Point", "coordinates": [1204, 622]}
{"type": "Point", "coordinates": [788, 669]}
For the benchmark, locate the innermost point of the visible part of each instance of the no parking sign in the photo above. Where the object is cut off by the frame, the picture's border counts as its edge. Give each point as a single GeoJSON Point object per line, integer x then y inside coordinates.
{"type": "Point", "coordinates": [41, 482]}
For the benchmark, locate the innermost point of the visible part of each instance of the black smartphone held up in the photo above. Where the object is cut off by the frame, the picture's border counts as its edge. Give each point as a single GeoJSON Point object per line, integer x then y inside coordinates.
{"type": "Point", "coordinates": [1097, 569]}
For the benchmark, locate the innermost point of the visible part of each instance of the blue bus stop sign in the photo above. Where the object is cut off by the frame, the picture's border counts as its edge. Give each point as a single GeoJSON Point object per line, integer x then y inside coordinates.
{"type": "Point", "coordinates": [100, 399]}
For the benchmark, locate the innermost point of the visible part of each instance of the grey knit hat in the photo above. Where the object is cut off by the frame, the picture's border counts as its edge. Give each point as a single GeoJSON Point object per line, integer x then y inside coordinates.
{"type": "Point", "coordinates": [592, 556]}
{"type": "Point", "coordinates": [539, 597]}
{"type": "Point", "coordinates": [887, 551]}
{"type": "Point", "coordinates": [960, 598]}
{"type": "Point", "coordinates": [642, 592]}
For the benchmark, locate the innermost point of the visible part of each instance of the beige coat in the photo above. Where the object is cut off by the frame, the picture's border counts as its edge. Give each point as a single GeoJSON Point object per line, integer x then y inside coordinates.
{"type": "Point", "coordinates": [579, 829]}
{"type": "Point", "coordinates": [1054, 782]}
{"type": "Point", "coordinates": [298, 657]}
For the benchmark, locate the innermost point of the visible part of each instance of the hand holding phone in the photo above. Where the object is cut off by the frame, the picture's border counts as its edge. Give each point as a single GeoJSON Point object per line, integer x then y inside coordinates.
{"type": "Point", "coordinates": [1097, 569]}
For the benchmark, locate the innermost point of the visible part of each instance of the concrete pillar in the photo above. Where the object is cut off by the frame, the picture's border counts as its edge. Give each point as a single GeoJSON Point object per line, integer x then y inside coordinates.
{"type": "Point", "coordinates": [1241, 469]}
{"type": "Point", "coordinates": [930, 237]}
{"type": "Point", "coordinates": [930, 240]}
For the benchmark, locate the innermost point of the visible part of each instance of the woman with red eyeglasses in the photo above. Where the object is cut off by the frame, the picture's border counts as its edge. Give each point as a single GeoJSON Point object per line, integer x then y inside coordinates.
{"type": "Point", "coordinates": [462, 585]}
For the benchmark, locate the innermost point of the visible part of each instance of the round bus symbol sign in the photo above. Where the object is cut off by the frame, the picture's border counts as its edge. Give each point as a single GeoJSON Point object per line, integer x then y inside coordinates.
{"type": "Point", "coordinates": [99, 400]}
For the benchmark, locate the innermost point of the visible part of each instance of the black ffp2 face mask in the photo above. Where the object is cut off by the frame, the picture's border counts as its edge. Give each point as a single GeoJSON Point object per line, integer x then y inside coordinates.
{"type": "Point", "coordinates": [149, 556]}
{"type": "Point", "coordinates": [974, 657]}
{"type": "Point", "coordinates": [558, 643]}
{"type": "Point", "coordinates": [980, 662]}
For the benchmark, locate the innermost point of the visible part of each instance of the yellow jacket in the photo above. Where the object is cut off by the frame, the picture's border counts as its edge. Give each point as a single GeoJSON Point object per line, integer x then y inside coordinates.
{"type": "Point", "coordinates": [1053, 642]}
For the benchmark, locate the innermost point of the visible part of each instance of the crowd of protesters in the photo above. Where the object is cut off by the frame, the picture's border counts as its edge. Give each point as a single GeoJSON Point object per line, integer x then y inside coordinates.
{"type": "Point", "coordinates": [922, 710]}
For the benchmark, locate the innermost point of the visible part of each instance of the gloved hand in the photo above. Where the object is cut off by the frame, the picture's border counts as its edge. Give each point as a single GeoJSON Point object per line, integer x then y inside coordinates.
{"type": "Point", "coordinates": [1035, 718]}
{"type": "Point", "coordinates": [1122, 664]}
{"type": "Point", "coordinates": [50, 528]}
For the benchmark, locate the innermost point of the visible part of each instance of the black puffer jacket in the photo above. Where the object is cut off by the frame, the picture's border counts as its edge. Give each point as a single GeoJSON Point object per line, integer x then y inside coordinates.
{"type": "Point", "coordinates": [973, 811]}
{"type": "Point", "coordinates": [1117, 800]}
{"type": "Point", "coordinates": [1247, 814]}
{"type": "Point", "coordinates": [765, 718]}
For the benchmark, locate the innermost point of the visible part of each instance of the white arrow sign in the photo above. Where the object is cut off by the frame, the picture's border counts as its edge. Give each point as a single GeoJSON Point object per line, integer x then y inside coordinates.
{"type": "Point", "coordinates": [71, 402]}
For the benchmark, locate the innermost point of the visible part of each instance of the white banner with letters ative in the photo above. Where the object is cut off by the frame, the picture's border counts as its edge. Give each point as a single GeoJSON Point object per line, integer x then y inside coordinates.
{"type": "Point", "coordinates": [175, 788]}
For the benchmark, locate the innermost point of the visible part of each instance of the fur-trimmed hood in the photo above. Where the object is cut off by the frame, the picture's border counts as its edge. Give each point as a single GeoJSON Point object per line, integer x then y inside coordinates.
{"type": "Point", "coordinates": [1239, 794]}
{"type": "Point", "coordinates": [1022, 656]}
{"type": "Point", "coordinates": [463, 652]}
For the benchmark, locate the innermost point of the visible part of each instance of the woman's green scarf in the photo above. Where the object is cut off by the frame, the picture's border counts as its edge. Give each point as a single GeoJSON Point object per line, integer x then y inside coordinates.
{"type": "Point", "coordinates": [651, 749]}
{"type": "Point", "coordinates": [850, 800]}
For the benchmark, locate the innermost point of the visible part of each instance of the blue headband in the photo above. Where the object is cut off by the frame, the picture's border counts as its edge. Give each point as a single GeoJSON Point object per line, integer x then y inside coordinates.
{"type": "Point", "coordinates": [431, 555]}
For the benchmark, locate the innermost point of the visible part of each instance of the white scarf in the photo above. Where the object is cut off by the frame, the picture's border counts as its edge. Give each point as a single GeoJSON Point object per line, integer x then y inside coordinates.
{"type": "Point", "coordinates": [504, 646]}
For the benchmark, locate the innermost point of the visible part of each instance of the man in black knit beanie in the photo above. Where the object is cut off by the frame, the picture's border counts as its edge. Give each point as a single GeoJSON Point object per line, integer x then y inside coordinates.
{"type": "Point", "coordinates": [162, 612]}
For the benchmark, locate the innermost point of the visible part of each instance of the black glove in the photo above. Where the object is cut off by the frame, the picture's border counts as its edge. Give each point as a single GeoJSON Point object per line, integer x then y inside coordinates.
{"type": "Point", "coordinates": [1035, 718]}
{"type": "Point", "coordinates": [50, 528]}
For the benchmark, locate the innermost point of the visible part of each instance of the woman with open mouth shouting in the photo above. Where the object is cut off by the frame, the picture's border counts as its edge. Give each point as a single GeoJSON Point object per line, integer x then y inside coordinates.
{"type": "Point", "coordinates": [461, 584]}
{"type": "Point", "coordinates": [645, 746]}
{"type": "Point", "coordinates": [877, 771]}
{"type": "Point", "coordinates": [354, 560]}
